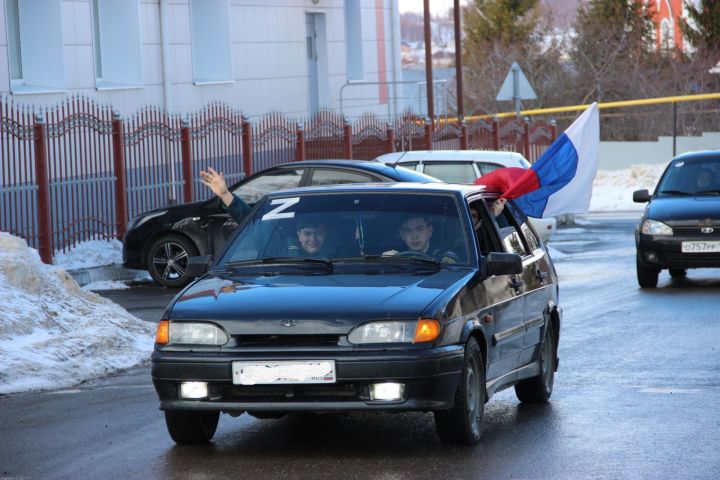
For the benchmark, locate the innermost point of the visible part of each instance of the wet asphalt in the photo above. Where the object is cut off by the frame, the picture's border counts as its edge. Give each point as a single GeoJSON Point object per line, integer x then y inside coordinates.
{"type": "Point", "coordinates": [637, 395]}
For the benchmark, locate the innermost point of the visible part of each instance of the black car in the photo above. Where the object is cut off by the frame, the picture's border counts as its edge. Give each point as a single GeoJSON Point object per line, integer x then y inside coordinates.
{"type": "Point", "coordinates": [409, 308]}
{"type": "Point", "coordinates": [161, 240]}
{"type": "Point", "coordinates": [680, 228]}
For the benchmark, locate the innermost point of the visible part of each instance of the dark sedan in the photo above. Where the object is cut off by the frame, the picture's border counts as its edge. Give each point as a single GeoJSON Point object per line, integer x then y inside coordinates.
{"type": "Point", "coordinates": [400, 303]}
{"type": "Point", "coordinates": [161, 241]}
{"type": "Point", "coordinates": [680, 228]}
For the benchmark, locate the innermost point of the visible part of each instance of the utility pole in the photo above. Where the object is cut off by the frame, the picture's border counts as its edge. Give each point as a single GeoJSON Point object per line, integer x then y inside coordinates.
{"type": "Point", "coordinates": [458, 61]}
{"type": "Point", "coordinates": [428, 62]}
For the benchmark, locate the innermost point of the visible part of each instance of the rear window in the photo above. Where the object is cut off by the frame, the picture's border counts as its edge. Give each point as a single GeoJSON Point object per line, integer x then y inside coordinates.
{"type": "Point", "coordinates": [451, 172]}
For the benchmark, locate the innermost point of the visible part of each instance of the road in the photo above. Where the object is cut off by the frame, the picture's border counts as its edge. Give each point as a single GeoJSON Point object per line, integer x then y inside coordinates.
{"type": "Point", "coordinates": [636, 396]}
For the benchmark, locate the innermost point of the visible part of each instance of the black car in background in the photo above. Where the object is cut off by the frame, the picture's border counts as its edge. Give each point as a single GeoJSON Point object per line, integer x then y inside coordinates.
{"type": "Point", "coordinates": [680, 228]}
{"type": "Point", "coordinates": [161, 240]}
{"type": "Point", "coordinates": [411, 307]}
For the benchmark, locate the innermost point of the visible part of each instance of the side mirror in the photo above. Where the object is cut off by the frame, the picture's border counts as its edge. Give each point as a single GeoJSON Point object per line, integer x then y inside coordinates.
{"type": "Point", "coordinates": [198, 266]}
{"type": "Point", "coordinates": [504, 263]}
{"type": "Point", "coordinates": [641, 196]}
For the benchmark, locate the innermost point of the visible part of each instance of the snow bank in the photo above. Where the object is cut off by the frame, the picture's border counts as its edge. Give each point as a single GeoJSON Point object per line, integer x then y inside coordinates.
{"type": "Point", "coordinates": [90, 254]}
{"type": "Point", "coordinates": [613, 189]}
{"type": "Point", "coordinates": [53, 334]}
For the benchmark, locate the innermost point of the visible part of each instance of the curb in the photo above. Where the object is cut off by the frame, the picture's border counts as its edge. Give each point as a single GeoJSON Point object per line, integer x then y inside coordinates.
{"type": "Point", "coordinates": [85, 276]}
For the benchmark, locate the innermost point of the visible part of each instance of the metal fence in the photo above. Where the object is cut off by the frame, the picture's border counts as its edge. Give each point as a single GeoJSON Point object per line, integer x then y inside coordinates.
{"type": "Point", "coordinates": [78, 172]}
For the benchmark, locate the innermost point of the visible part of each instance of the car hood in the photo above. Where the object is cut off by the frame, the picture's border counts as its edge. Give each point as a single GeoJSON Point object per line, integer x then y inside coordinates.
{"type": "Point", "coordinates": [684, 208]}
{"type": "Point", "coordinates": [318, 303]}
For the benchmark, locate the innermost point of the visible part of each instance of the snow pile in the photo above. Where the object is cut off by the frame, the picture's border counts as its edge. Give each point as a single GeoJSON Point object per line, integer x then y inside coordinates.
{"type": "Point", "coordinates": [90, 254]}
{"type": "Point", "coordinates": [613, 189]}
{"type": "Point", "coordinates": [53, 334]}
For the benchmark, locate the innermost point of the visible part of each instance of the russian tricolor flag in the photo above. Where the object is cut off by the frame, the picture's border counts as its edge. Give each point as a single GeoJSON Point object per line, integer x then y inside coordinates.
{"type": "Point", "coordinates": [560, 181]}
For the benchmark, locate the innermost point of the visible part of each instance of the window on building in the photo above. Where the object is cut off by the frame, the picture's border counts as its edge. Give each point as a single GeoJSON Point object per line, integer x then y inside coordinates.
{"type": "Point", "coordinates": [353, 40]}
{"type": "Point", "coordinates": [210, 30]}
{"type": "Point", "coordinates": [35, 46]}
{"type": "Point", "coordinates": [117, 44]}
{"type": "Point", "coordinates": [667, 41]}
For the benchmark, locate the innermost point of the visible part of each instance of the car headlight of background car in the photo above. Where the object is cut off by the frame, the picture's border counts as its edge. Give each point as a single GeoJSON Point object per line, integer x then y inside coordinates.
{"type": "Point", "coordinates": [189, 333]}
{"type": "Point", "coordinates": [423, 330]}
{"type": "Point", "coordinates": [653, 227]}
{"type": "Point", "coordinates": [139, 220]}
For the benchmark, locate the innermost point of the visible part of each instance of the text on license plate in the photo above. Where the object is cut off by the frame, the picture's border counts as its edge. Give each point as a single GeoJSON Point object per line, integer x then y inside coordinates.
{"type": "Point", "coordinates": [700, 247]}
{"type": "Point", "coordinates": [283, 372]}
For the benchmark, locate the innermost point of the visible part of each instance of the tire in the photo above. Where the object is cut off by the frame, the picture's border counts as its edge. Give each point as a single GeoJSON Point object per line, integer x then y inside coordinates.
{"type": "Point", "coordinates": [168, 258]}
{"type": "Point", "coordinates": [678, 272]}
{"type": "Point", "coordinates": [647, 277]}
{"type": "Point", "coordinates": [462, 424]}
{"type": "Point", "coordinates": [539, 388]}
{"type": "Point", "coordinates": [191, 428]}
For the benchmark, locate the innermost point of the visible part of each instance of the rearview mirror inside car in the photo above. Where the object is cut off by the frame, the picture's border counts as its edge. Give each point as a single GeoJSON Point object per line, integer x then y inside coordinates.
{"type": "Point", "coordinates": [504, 263]}
{"type": "Point", "coordinates": [200, 265]}
{"type": "Point", "coordinates": [641, 196]}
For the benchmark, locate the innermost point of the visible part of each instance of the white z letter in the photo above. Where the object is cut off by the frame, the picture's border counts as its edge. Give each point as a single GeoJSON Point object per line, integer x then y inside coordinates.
{"type": "Point", "coordinates": [278, 212]}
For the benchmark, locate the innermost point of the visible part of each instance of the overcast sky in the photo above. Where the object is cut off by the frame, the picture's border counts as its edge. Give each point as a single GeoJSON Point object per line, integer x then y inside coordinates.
{"type": "Point", "coordinates": [436, 6]}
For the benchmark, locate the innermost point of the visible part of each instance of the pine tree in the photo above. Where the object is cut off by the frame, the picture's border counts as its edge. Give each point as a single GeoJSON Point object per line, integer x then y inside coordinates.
{"type": "Point", "coordinates": [703, 29]}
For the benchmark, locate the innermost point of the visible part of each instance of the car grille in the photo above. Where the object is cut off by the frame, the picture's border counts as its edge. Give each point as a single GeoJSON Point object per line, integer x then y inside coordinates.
{"type": "Point", "coordinates": [286, 340]}
{"type": "Point", "coordinates": [696, 233]}
{"type": "Point", "coordinates": [698, 259]}
{"type": "Point", "coordinates": [296, 393]}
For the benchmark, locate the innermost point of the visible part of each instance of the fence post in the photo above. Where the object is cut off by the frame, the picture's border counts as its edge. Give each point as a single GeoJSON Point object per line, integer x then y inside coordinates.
{"type": "Point", "coordinates": [300, 148]}
{"type": "Point", "coordinates": [390, 138]}
{"type": "Point", "coordinates": [526, 137]}
{"type": "Point", "coordinates": [247, 153]}
{"type": "Point", "coordinates": [186, 154]}
{"type": "Point", "coordinates": [553, 127]}
{"type": "Point", "coordinates": [43, 192]}
{"type": "Point", "coordinates": [428, 134]}
{"type": "Point", "coordinates": [496, 133]}
{"type": "Point", "coordinates": [347, 139]}
{"type": "Point", "coordinates": [121, 216]}
{"type": "Point", "coordinates": [464, 139]}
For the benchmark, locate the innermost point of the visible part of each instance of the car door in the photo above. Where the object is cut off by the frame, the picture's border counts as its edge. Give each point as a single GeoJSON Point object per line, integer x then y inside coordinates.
{"type": "Point", "coordinates": [220, 225]}
{"type": "Point", "coordinates": [504, 327]}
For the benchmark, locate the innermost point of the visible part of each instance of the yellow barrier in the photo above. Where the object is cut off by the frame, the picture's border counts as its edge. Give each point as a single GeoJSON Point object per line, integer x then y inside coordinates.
{"type": "Point", "coordinates": [624, 103]}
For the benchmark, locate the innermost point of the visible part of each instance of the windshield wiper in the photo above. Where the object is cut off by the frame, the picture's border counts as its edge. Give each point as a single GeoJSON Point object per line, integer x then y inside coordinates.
{"type": "Point", "coordinates": [282, 260]}
{"type": "Point", "coordinates": [675, 192]}
{"type": "Point", "coordinates": [402, 259]}
{"type": "Point", "coordinates": [708, 192]}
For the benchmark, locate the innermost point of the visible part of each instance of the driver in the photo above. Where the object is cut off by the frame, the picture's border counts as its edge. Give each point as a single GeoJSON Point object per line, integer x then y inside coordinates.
{"type": "Point", "coordinates": [416, 232]}
{"type": "Point", "coordinates": [311, 239]}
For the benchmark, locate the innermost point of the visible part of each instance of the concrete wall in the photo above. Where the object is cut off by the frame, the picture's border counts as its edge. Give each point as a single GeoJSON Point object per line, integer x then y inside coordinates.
{"type": "Point", "coordinates": [619, 155]}
{"type": "Point", "coordinates": [268, 50]}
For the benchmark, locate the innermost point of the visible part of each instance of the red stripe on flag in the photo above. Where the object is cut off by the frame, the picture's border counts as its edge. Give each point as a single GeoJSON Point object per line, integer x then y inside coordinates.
{"type": "Point", "coordinates": [512, 182]}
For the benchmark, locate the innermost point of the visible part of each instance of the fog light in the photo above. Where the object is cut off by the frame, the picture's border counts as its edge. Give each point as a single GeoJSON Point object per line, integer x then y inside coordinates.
{"type": "Point", "coordinates": [651, 256]}
{"type": "Point", "coordinates": [387, 391]}
{"type": "Point", "coordinates": [193, 390]}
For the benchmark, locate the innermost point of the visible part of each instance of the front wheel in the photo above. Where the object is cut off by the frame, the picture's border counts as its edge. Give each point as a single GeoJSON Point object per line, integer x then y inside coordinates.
{"type": "Point", "coordinates": [539, 388]}
{"type": "Point", "coordinates": [647, 277]}
{"type": "Point", "coordinates": [168, 260]}
{"type": "Point", "coordinates": [190, 428]}
{"type": "Point", "coordinates": [462, 424]}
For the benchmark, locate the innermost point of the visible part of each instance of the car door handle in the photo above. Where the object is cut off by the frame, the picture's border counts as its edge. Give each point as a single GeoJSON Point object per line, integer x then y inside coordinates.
{"type": "Point", "coordinates": [516, 284]}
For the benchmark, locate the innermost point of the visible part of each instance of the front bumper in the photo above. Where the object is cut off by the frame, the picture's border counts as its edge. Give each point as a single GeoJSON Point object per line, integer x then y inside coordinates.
{"type": "Point", "coordinates": [431, 377]}
{"type": "Point", "coordinates": [661, 251]}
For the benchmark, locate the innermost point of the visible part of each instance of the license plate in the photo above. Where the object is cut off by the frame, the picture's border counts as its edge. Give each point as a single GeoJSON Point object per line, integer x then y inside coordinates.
{"type": "Point", "coordinates": [701, 247]}
{"type": "Point", "coordinates": [283, 372]}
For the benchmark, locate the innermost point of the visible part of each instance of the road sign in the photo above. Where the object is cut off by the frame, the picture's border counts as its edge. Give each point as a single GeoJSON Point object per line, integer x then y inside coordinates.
{"type": "Point", "coordinates": [516, 87]}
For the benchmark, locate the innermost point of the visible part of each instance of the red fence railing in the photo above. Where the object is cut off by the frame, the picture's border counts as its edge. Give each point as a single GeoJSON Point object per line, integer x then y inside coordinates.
{"type": "Point", "coordinates": [79, 172]}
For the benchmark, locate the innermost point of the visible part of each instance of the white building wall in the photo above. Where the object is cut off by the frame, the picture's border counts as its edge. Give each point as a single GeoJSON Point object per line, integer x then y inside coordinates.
{"type": "Point", "coordinates": [268, 51]}
{"type": "Point", "coordinates": [619, 155]}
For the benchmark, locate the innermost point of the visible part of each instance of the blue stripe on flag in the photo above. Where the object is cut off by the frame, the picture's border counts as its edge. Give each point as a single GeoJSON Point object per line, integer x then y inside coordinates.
{"type": "Point", "coordinates": [555, 168]}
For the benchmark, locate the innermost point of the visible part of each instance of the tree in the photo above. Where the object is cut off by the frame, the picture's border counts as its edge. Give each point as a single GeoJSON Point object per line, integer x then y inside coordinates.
{"type": "Point", "coordinates": [703, 30]}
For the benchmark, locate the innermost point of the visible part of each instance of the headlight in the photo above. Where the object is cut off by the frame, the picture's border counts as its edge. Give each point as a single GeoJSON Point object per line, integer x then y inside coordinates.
{"type": "Point", "coordinates": [137, 221]}
{"type": "Point", "coordinates": [423, 330]}
{"type": "Point", "coordinates": [653, 227]}
{"type": "Point", "coordinates": [196, 334]}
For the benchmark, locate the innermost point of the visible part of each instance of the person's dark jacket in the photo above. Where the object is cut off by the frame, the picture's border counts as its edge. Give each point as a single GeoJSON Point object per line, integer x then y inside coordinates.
{"type": "Point", "coordinates": [237, 208]}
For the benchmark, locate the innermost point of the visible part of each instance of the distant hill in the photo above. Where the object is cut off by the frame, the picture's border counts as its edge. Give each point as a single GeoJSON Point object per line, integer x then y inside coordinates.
{"type": "Point", "coordinates": [563, 11]}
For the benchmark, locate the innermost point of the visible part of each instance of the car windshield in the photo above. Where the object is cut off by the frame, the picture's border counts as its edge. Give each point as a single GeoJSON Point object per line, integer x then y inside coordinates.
{"type": "Point", "coordinates": [404, 228]}
{"type": "Point", "coordinates": [696, 176]}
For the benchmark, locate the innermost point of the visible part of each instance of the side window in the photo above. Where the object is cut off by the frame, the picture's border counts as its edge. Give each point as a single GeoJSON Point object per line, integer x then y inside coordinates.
{"type": "Point", "coordinates": [532, 241]}
{"type": "Point", "coordinates": [254, 189]}
{"type": "Point", "coordinates": [451, 172]}
{"type": "Point", "coordinates": [485, 231]}
{"type": "Point", "coordinates": [511, 236]}
{"type": "Point", "coordinates": [322, 176]}
{"type": "Point", "coordinates": [487, 167]}
{"type": "Point", "coordinates": [410, 165]}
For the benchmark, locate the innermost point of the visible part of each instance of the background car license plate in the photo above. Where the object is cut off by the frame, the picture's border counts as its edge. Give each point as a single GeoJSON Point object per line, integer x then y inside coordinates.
{"type": "Point", "coordinates": [283, 372]}
{"type": "Point", "coordinates": [700, 247]}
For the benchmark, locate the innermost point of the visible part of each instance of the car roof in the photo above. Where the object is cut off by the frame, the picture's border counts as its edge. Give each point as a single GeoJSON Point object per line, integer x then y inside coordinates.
{"type": "Point", "coordinates": [452, 155]}
{"type": "Point", "coordinates": [407, 187]}
{"type": "Point", "coordinates": [698, 154]}
{"type": "Point", "coordinates": [372, 166]}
